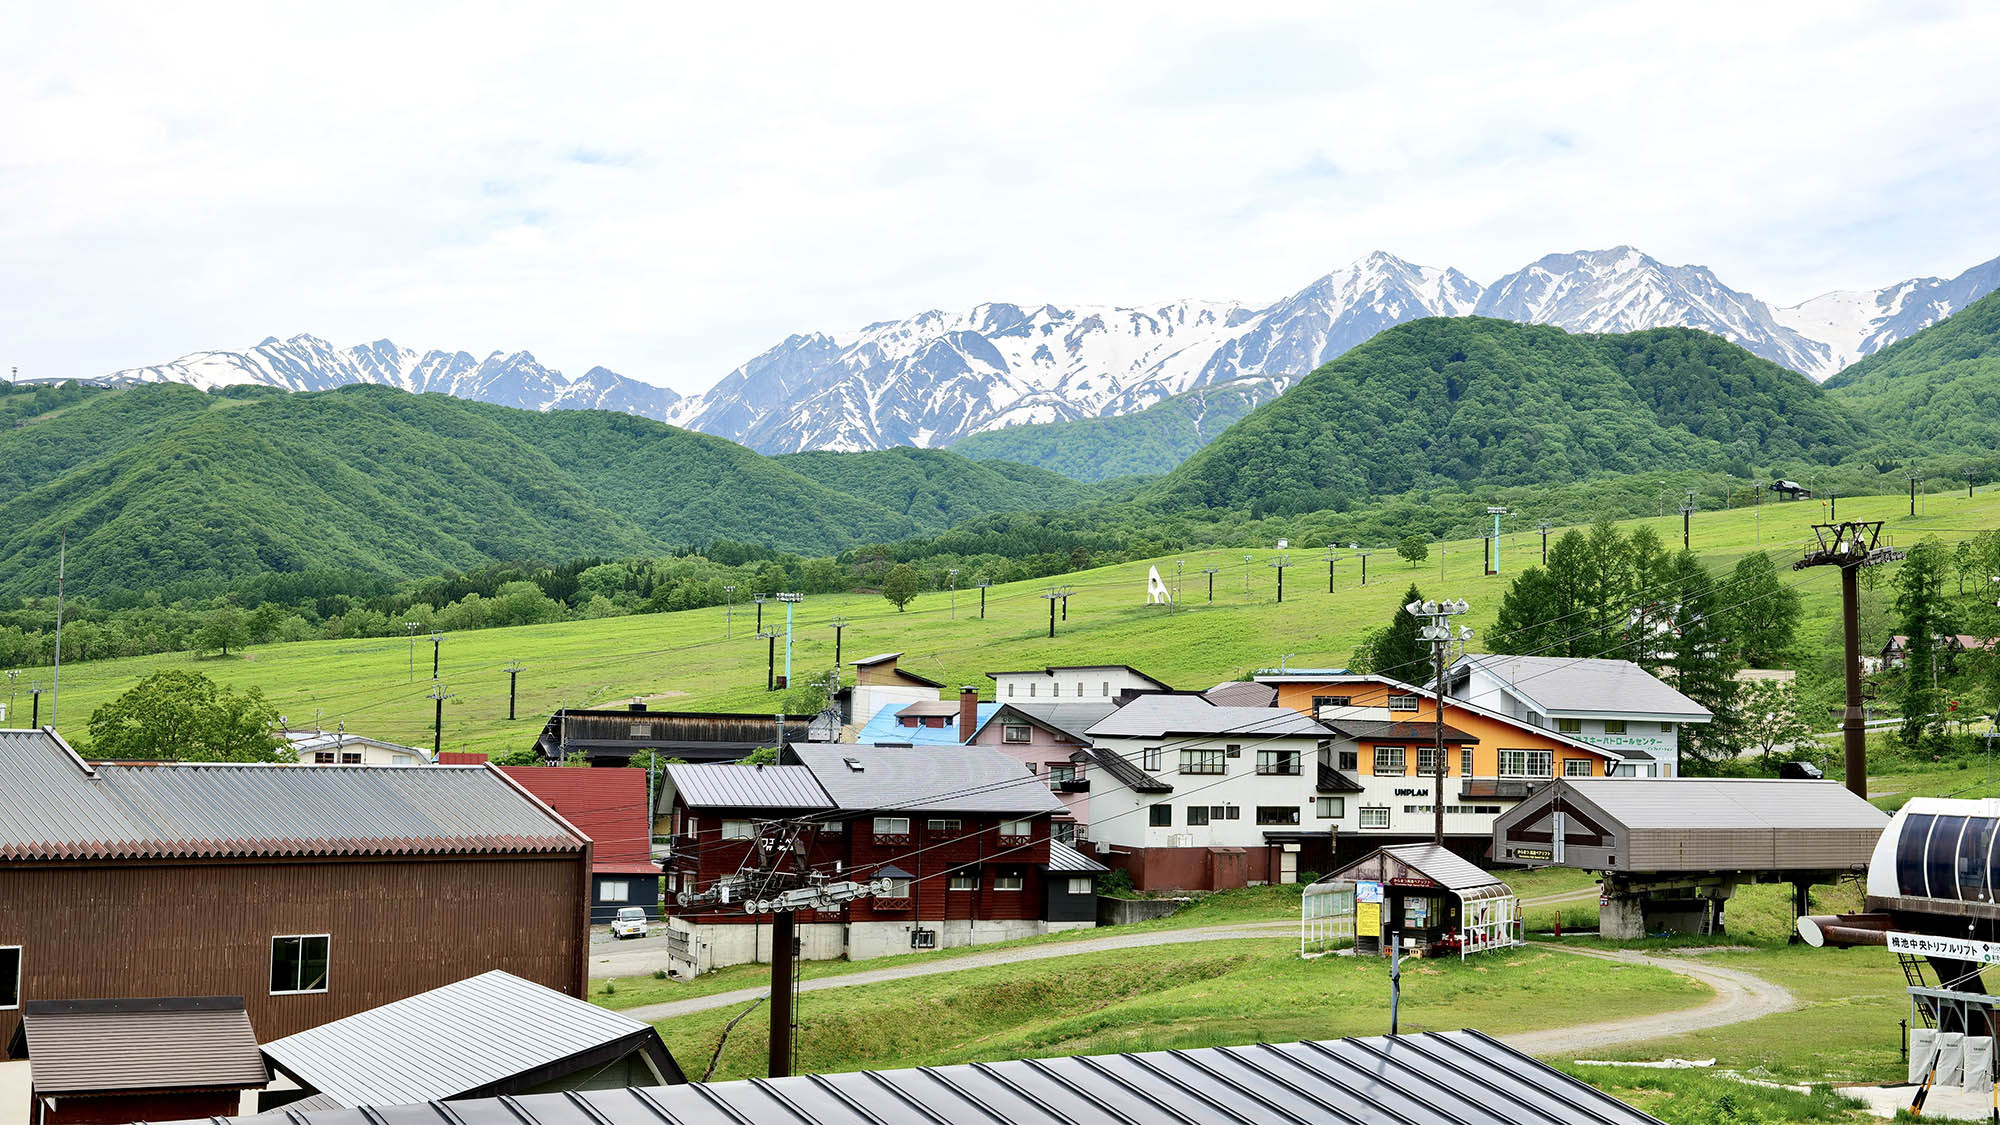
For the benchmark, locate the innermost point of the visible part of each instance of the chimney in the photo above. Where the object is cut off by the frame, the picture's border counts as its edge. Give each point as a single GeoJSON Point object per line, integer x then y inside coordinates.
{"type": "Point", "coordinates": [968, 713]}
{"type": "Point", "coordinates": [635, 706]}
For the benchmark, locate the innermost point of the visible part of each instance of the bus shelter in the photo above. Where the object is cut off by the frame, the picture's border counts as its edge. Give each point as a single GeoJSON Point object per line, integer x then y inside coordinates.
{"type": "Point", "coordinates": [1326, 917]}
{"type": "Point", "coordinates": [1435, 902]}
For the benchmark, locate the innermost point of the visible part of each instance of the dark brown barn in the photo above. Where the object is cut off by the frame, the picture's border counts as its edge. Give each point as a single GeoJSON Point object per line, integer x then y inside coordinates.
{"type": "Point", "coordinates": [312, 893]}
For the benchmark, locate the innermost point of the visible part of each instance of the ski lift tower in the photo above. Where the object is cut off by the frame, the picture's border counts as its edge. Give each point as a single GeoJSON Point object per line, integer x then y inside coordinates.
{"type": "Point", "coordinates": [1851, 546]}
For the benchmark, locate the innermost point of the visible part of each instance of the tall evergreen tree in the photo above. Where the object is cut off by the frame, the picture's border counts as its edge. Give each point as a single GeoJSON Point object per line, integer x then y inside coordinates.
{"type": "Point", "coordinates": [1920, 606]}
{"type": "Point", "coordinates": [1700, 666]}
{"type": "Point", "coordinates": [1762, 613]}
{"type": "Point", "coordinates": [1608, 588]}
{"type": "Point", "coordinates": [1533, 617]}
{"type": "Point", "coordinates": [1570, 632]}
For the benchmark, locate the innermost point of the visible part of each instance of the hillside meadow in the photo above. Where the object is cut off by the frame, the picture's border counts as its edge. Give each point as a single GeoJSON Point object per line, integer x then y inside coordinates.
{"type": "Point", "coordinates": [683, 660]}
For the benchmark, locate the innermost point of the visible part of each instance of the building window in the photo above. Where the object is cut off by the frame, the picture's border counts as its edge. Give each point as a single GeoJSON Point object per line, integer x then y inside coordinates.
{"type": "Point", "coordinates": [1064, 830]}
{"type": "Point", "coordinates": [1061, 772]}
{"type": "Point", "coordinates": [350, 758]}
{"type": "Point", "coordinates": [1350, 759]}
{"type": "Point", "coordinates": [1082, 886]}
{"type": "Point", "coordinates": [965, 882]}
{"type": "Point", "coordinates": [1277, 814]}
{"type": "Point", "coordinates": [1055, 689]}
{"type": "Point", "coordinates": [737, 830]}
{"type": "Point", "coordinates": [944, 825]}
{"type": "Point", "coordinates": [1465, 762]}
{"type": "Point", "coordinates": [1105, 689]}
{"type": "Point", "coordinates": [323, 757]}
{"type": "Point", "coordinates": [1202, 761]}
{"type": "Point", "coordinates": [1666, 728]}
{"type": "Point", "coordinates": [831, 827]}
{"type": "Point", "coordinates": [1402, 703]}
{"type": "Point", "coordinates": [1614, 726]}
{"type": "Point", "coordinates": [898, 888]}
{"type": "Point", "coordinates": [1231, 812]}
{"type": "Point", "coordinates": [1577, 767]}
{"type": "Point", "coordinates": [10, 977]}
{"type": "Point", "coordinates": [1374, 818]}
{"type": "Point", "coordinates": [1330, 808]}
{"type": "Point", "coordinates": [1016, 732]}
{"type": "Point", "coordinates": [1010, 881]}
{"type": "Point", "coordinates": [1031, 691]}
{"type": "Point", "coordinates": [1010, 691]}
{"type": "Point", "coordinates": [1388, 761]}
{"type": "Point", "coordinates": [1197, 815]}
{"type": "Point", "coordinates": [1569, 726]}
{"type": "Point", "coordinates": [1279, 762]}
{"type": "Point", "coordinates": [298, 964]}
{"type": "Point", "coordinates": [1527, 763]}
{"type": "Point", "coordinates": [1320, 701]}
{"type": "Point", "coordinates": [1427, 761]}
{"type": "Point", "coordinates": [614, 890]}
{"type": "Point", "coordinates": [1149, 758]}
{"type": "Point", "coordinates": [1160, 816]}
{"type": "Point", "coordinates": [892, 826]}
{"type": "Point", "coordinates": [1021, 828]}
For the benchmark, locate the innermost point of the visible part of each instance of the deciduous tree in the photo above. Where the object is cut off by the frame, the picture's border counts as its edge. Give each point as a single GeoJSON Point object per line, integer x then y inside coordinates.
{"type": "Point", "coordinates": [900, 585]}
{"type": "Point", "coordinates": [176, 715]}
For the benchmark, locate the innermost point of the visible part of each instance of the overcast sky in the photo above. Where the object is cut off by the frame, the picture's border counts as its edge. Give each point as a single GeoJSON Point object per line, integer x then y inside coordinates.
{"type": "Point", "coordinates": [668, 190]}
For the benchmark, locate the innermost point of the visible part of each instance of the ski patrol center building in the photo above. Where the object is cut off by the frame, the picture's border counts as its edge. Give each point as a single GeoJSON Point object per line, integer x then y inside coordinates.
{"type": "Point", "coordinates": [1610, 703]}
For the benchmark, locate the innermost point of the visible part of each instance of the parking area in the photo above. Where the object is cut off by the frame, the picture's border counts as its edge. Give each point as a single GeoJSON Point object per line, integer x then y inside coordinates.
{"type": "Point", "coordinates": [627, 957]}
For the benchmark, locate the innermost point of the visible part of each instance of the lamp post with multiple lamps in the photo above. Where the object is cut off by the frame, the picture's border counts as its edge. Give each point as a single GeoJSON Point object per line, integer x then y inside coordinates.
{"type": "Point", "coordinates": [1439, 633]}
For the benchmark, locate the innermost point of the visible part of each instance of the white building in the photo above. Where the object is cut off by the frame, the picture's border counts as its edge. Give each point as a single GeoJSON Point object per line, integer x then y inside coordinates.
{"type": "Point", "coordinates": [880, 683]}
{"type": "Point", "coordinates": [1614, 704]}
{"type": "Point", "coordinates": [338, 748]}
{"type": "Point", "coordinates": [1076, 683]}
{"type": "Point", "coordinates": [1197, 796]}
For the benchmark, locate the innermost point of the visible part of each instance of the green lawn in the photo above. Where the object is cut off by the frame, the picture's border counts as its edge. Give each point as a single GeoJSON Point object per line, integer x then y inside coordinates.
{"type": "Point", "coordinates": [1224, 992]}
{"type": "Point", "coordinates": [681, 660]}
{"type": "Point", "coordinates": [1704, 1097]}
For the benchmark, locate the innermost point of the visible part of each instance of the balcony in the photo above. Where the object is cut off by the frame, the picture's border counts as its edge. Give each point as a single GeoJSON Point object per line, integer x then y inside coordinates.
{"type": "Point", "coordinates": [1073, 785]}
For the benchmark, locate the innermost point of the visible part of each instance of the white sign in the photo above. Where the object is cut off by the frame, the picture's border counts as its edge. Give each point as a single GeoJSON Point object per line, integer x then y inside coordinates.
{"type": "Point", "coordinates": [1156, 589]}
{"type": "Point", "coordinates": [1951, 948]}
{"type": "Point", "coordinates": [1367, 892]}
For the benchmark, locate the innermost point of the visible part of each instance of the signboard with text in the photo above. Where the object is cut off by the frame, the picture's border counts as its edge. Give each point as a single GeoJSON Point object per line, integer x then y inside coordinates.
{"type": "Point", "coordinates": [1951, 948]}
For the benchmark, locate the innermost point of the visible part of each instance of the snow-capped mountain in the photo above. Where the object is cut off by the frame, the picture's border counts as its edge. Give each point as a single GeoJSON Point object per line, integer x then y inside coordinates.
{"type": "Point", "coordinates": [938, 376]}
{"type": "Point", "coordinates": [307, 363]}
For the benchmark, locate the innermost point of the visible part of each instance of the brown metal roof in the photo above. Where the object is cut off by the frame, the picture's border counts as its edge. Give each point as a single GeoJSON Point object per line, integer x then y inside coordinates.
{"type": "Point", "coordinates": [1379, 730]}
{"type": "Point", "coordinates": [98, 1046]}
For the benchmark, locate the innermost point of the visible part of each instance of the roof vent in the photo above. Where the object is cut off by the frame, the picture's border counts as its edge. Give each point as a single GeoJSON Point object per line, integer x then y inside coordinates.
{"type": "Point", "coordinates": [854, 764]}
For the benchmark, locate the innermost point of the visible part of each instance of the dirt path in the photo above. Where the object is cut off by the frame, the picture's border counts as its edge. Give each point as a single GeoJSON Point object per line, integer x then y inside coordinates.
{"type": "Point", "coordinates": [1739, 996]}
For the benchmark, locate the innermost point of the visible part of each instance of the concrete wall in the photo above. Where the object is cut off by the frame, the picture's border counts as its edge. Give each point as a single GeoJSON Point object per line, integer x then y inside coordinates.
{"type": "Point", "coordinates": [741, 944]}
{"type": "Point", "coordinates": [1125, 911]}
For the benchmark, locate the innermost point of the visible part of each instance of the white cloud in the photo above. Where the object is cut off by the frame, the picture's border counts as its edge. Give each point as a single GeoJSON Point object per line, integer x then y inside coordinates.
{"type": "Point", "coordinates": [667, 193]}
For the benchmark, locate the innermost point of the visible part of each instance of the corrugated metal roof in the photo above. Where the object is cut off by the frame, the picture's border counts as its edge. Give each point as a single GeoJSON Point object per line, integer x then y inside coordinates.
{"type": "Point", "coordinates": [608, 805]}
{"type": "Point", "coordinates": [1336, 781]}
{"type": "Point", "coordinates": [955, 779]}
{"type": "Point", "coordinates": [883, 728]}
{"type": "Point", "coordinates": [1066, 860]}
{"type": "Point", "coordinates": [748, 787]}
{"type": "Point", "coordinates": [1434, 1078]}
{"type": "Point", "coordinates": [1561, 683]}
{"type": "Point", "coordinates": [60, 808]}
{"type": "Point", "coordinates": [440, 1044]}
{"type": "Point", "coordinates": [1443, 867]}
{"type": "Point", "coordinates": [1072, 719]}
{"type": "Point", "coordinates": [1689, 802]}
{"type": "Point", "coordinates": [1150, 716]}
{"type": "Point", "coordinates": [1400, 730]}
{"type": "Point", "coordinates": [1242, 693]}
{"type": "Point", "coordinates": [1127, 773]}
{"type": "Point", "coordinates": [200, 1042]}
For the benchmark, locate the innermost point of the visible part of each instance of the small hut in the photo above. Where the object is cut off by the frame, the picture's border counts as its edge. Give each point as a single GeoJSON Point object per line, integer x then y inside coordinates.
{"type": "Point", "coordinates": [1437, 903]}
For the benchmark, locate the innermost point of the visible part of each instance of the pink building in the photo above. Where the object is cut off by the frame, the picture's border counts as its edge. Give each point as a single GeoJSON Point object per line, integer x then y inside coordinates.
{"type": "Point", "coordinates": [1049, 739]}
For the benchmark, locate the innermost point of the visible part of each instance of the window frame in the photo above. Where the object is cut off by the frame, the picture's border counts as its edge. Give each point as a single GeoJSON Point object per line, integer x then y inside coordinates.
{"type": "Point", "coordinates": [20, 960]}
{"type": "Point", "coordinates": [1017, 829]}
{"type": "Point", "coordinates": [1149, 759]}
{"type": "Point", "coordinates": [1060, 772]}
{"type": "Point", "coordinates": [1348, 759]}
{"type": "Point", "coordinates": [1528, 758]}
{"type": "Point", "coordinates": [326, 979]}
{"type": "Point", "coordinates": [748, 831]}
{"type": "Point", "coordinates": [1195, 760]}
{"type": "Point", "coordinates": [880, 821]}
{"type": "Point", "coordinates": [1465, 762]}
{"type": "Point", "coordinates": [943, 825]}
{"type": "Point", "coordinates": [1401, 759]}
{"type": "Point", "coordinates": [1430, 752]}
{"type": "Point", "coordinates": [898, 889]}
{"type": "Point", "coordinates": [623, 887]}
{"type": "Point", "coordinates": [1329, 808]}
{"type": "Point", "coordinates": [1287, 816]}
{"type": "Point", "coordinates": [969, 883]}
{"type": "Point", "coordinates": [1160, 816]}
{"type": "Point", "coordinates": [1569, 770]}
{"type": "Point", "coordinates": [1196, 816]}
{"type": "Point", "coordinates": [1002, 879]}
{"type": "Point", "coordinates": [1405, 701]}
{"type": "Point", "coordinates": [1320, 701]}
{"type": "Point", "coordinates": [1016, 734]}
{"type": "Point", "coordinates": [1614, 726]}
{"type": "Point", "coordinates": [1277, 758]}
{"type": "Point", "coordinates": [1366, 816]}
{"type": "Point", "coordinates": [1089, 885]}
{"type": "Point", "coordinates": [1568, 726]}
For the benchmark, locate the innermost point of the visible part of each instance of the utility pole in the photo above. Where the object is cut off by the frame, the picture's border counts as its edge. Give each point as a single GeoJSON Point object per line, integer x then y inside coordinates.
{"type": "Point", "coordinates": [437, 643]}
{"type": "Point", "coordinates": [1066, 592]}
{"type": "Point", "coordinates": [1211, 571]}
{"type": "Point", "coordinates": [1439, 632]}
{"type": "Point", "coordinates": [35, 699]}
{"type": "Point", "coordinates": [1496, 511]}
{"type": "Point", "coordinates": [982, 584]}
{"type": "Point", "coordinates": [12, 673]}
{"type": "Point", "coordinates": [1687, 523]}
{"type": "Point", "coordinates": [759, 599]}
{"type": "Point", "coordinates": [413, 626]}
{"type": "Point", "coordinates": [1913, 475]}
{"type": "Point", "coordinates": [770, 660]}
{"type": "Point", "coordinates": [728, 612]}
{"type": "Point", "coordinates": [952, 574]}
{"type": "Point", "coordinates": [1832, 506]}
{"type": "Point", "coordinates": [1055, 594]}
{"type": "Point", "coordinates": [1488, 548]}
{"type": "Point", "coordinates": [1851, 546]}
{"type": "Point", "coordinates": [1364, 553]}
{"type": "Point", "coordinates": [790, 601]}
{"type": "Point", "coordinates": [438, 695]}
{"type": "Point", "coordinates": [513, 674]}
{"type": "Point", "coordinates": [1968, 484]}
{"type": "Point", "coordinates": [1279, 565]}
{"type": "Point", "coordinates": [837, 625]}
{"type": "Point", "coordinates": [1246, 576]}
{"type": "Point", "coordinates": [1543, 527]}
{"type": "Point", "coordinates": [1330, 560]}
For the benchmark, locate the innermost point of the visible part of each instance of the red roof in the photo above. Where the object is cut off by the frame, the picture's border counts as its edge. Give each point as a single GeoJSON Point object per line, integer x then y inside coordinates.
{"type": "Point", "coordinates": [461, 758]}
{"type": "Point", "coordinates": [606, 803]}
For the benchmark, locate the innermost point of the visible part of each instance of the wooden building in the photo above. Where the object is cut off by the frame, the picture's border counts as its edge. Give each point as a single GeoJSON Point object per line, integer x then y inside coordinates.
{"type": "Point", "coordinates": [614, 736]}
{"type": "Point", "coordinates": [311, 893]}
{"type": "Point", "coordinates": [961, 832]}
{"type": "Point", "coordinates": [106, 1062]}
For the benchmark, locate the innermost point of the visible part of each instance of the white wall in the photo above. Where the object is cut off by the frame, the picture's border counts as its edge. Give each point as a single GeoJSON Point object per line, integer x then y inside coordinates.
{"type": "Point", "coordinates": [1118, 816]}
{"type": "Point", "coordinates": [1076, 685]}
{"type": "Point", "coordinates": [870, 699]}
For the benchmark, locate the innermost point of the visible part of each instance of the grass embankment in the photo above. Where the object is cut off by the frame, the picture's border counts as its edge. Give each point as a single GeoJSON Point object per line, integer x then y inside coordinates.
{"type": "Point", "coordinates": [681, 660]}
{"type": "Point", "coordinates": [1699, 1097]}
{"type": "Point", "coordinates": [1223, 992]}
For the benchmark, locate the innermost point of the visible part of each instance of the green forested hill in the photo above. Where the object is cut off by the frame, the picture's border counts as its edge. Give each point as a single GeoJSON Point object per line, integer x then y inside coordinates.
{"type": "Point", "coordinates": [1939, 390]}
{"type": "Point", "coordinates": [937, 488]}
{"type": "Point", "coordinates": [1148, 442]}
{"type": "Point", "coordinates": [1469, 401]}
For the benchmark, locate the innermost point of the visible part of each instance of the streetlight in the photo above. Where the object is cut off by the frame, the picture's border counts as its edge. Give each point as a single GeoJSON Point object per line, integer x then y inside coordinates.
{"type": "Point", "coordinates": [728, 610]}
{"type": "Point", "coordinates": [1439, 632]}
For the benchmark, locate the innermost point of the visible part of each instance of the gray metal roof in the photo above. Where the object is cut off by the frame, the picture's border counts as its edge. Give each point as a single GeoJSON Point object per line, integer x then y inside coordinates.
{"type": "Point", "coordinates": [1563, 684]}
{"type": "Point", "coordinates": [1242, 693]}
{"type": "Point", "coordinates": [747, 787]}
{"type": "Point", "coordinates": [1127, 773]}
{"type": "Point", "coordinates": [1152, 716]}
{"type": "Point", "coordinates": [449, 1041]}
{"type": "Point", "coordinates": [200, 1042]}
{"type": "Point", "coordinates": [1444, 867]}
{"type": "Point", "coordinates": [972, 779]}
{"type": "Point", "coordinates": [1072, 719]}
{"type": "Point", "coordinates": [59, 807]}
{"type": "Point", "coordinates": [1748, 802]}
{"type": "Point", "coordinates": [1066, 860]}
{"type": "Point", "coordinates": [1434, 1078]}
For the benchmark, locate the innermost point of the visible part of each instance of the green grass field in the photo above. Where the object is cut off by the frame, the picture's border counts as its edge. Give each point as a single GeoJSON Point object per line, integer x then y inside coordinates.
{"type": "Point", "coordinates": [681, 660]}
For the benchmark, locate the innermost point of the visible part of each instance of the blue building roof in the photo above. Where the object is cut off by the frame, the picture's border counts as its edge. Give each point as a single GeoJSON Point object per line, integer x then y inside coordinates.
{"type": "Point", "coordinates": [883, 728]}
